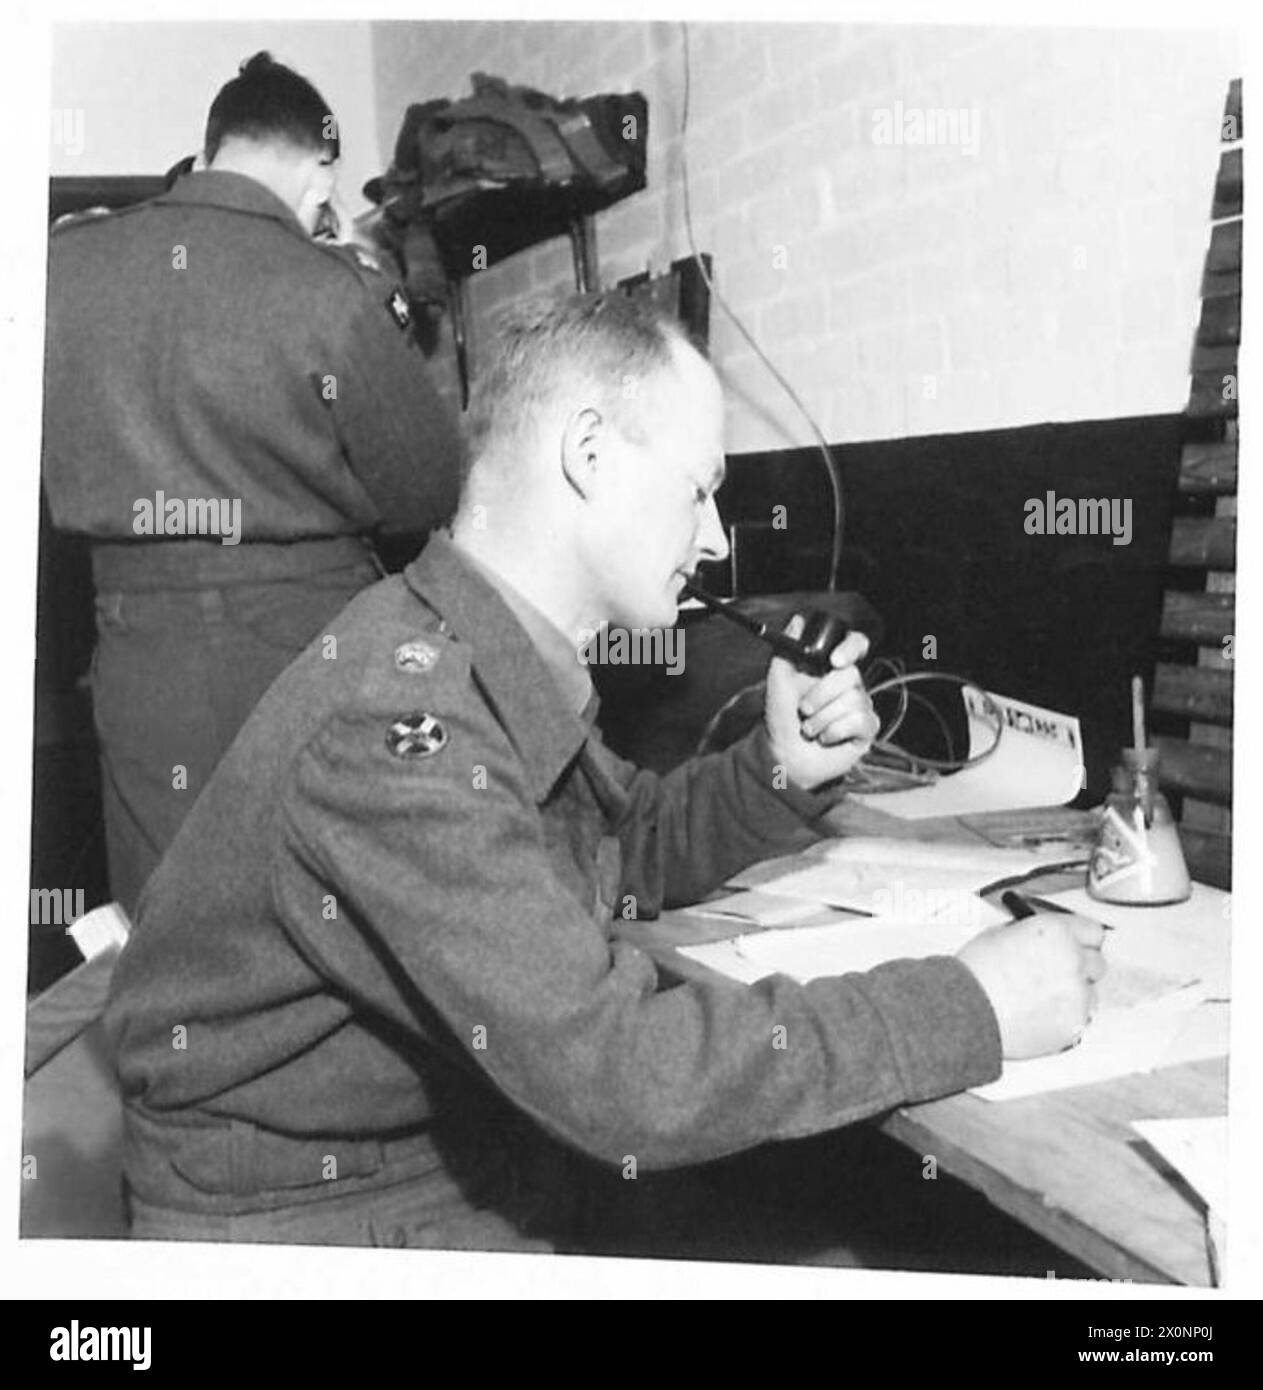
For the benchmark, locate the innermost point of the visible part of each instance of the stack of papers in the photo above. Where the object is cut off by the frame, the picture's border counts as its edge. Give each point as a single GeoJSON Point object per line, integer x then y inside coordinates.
{"type": "Point", "coordinates": [1164, 999]}
{"type": "Point", "coordinates": [1190, 939]}
{"type": "Point", "coordinates": [902, 880]}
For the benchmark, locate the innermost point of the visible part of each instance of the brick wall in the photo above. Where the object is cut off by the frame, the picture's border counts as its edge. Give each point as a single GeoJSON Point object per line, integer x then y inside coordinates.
{"type": "Point", "coordinates": [1043, 266]}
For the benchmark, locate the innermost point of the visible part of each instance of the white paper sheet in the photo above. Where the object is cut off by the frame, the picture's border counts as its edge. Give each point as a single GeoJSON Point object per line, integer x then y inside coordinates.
{"type": "Point", "coordinates": [838, 948]}
{"type": "Point", "coordinates": [1039, 762]}
{"type": "Point", "coordinates": [859, 943]}
{"type": "Point", "coordinates": [1162, 1001]}
{"type": "Point", "coordinates": [1198, 1150]}
{"type": "Point", "coordinates": [1190, 940]}
{"type": "Point", "coordinates": [757, 908]}
{"type": "Point", "coordinates": [1181, 1027]}
{"type": "Point", "coordinates": [900, 880]}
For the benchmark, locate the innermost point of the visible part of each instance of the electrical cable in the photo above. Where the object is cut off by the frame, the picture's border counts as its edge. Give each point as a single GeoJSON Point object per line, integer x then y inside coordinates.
{"type": "Point", "coordinates": [832, 467]}
{"type": "Point", "coordinates": [887, 766]}
{"type": "Point", "coordinates": [919, 762]}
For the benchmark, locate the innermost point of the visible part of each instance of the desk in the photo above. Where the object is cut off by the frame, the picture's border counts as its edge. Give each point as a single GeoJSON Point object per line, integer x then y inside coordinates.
{"type": "Point", "coordinates": [1066, 1164]}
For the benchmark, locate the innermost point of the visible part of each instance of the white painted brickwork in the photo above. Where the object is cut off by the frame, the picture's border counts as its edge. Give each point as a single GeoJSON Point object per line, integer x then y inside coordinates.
{"type": "Point", "coordinates": [917, 289]}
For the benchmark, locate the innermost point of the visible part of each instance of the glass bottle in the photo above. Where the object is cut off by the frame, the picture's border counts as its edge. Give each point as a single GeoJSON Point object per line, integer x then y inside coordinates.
{"type": "Point", "coordinates": [1138, 859]}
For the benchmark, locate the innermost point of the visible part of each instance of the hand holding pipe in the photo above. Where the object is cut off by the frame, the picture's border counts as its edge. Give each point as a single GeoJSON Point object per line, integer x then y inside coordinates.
{"type": "Point", "coordinates": [810, 652]}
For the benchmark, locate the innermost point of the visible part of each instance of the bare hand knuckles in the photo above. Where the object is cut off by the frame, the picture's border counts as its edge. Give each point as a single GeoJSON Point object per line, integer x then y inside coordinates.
{"type": "Point", "coordinates": [829, 689]}
{"type": "Point", "coordinates": [843, 730]}
{"type": "Point", "coordinates": [845, 718]}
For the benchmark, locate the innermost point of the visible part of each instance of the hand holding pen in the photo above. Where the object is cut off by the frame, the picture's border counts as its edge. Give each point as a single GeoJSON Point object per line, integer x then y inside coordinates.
{"type": "Point", "coordinates": [1039, 973]}
{"type": "Point", "coordinates": [1022, 905]}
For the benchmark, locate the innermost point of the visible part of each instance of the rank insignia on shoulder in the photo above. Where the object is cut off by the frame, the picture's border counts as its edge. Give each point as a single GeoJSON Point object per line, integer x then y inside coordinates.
{"type": "Point", "coordinates": [417, 655]}
{"type": "Point", "coordinates": [399, 310]}
{"type": "Point", "coordinates": [366, 259]}
{"type": "Point", "coordinates": [416, 736]}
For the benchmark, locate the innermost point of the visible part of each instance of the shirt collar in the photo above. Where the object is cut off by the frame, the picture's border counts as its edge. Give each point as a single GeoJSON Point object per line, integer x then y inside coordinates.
{"type": "Point", "coordinates": [557, 653]}
{"type": "Point", "coordinates": [237, 192]}
{"type": "Point", "coordinates": [536, 704]}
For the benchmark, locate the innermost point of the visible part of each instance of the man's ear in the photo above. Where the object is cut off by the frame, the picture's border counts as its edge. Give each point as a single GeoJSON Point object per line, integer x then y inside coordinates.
{"type": "Point", "coordinates": [315, 187]}
{"type": "Point", "coordinates": [581, 449]}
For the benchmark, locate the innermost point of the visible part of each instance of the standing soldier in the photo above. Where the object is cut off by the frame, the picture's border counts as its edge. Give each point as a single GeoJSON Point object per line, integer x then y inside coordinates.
{"type": "Point", "coordinates": [230, 408]}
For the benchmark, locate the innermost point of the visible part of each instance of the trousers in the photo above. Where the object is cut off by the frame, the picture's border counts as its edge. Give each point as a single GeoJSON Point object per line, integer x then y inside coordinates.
{"type": "Point", "coordinates": [190, 635]}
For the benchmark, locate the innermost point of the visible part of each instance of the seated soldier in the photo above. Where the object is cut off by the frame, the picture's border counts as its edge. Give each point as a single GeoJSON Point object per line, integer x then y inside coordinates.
{"type": "Point", "coordinates": [375, 993]}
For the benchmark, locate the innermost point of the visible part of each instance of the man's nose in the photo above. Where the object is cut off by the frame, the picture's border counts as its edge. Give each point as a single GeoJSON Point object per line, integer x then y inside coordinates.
{"type": "Point", "coordinates": [712, 539]}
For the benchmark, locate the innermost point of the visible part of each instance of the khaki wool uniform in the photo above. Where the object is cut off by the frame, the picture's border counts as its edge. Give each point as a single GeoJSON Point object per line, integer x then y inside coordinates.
{"type": "Point", "coordinates": [383, 946]}
{"type": "Point", "coordinates": [202, 348]}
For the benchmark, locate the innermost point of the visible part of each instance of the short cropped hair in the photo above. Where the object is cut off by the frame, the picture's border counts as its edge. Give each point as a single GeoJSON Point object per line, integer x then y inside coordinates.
{"type": "Point", "coordinates": [268, 101]}
{"type": "Point", "coordinates": [610, 341]}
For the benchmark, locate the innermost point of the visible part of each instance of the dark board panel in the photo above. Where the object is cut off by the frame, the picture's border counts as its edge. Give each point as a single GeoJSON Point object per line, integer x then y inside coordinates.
{"type": "Point", "coordinates": [936, 541]}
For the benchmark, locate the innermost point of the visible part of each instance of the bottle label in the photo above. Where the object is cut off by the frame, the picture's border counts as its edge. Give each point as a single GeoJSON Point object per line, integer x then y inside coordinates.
{"type": "Point", "coordinates": [1122, 853]}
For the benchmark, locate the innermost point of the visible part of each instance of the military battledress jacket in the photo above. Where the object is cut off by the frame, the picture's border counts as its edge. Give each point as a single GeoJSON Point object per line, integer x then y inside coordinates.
{"type": "Point", "coordinates": [399, 893]}
{"type": "Point", "coordinates": [201, 345]}
{"type": "Point", "coordinates": [230, 407]}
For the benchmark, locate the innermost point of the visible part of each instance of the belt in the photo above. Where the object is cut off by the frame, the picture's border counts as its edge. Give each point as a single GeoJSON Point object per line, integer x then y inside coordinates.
{"type": "Point", "coordinates": [197, 563]}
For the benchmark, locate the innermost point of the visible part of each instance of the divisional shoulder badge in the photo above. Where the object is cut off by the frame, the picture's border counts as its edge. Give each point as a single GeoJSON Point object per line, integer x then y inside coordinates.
{"type": "Point", "coordinates": [399, 310]}
{"type": "Point", "coordinates": [416, 736]}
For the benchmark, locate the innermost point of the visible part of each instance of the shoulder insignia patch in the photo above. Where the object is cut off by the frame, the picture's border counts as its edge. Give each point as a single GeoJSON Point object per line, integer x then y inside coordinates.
{"type": "Point", "coordinates": [399, 310]}
{"type": "Point", "coordinates": [416, 655]}
{"type": "Point", "coordinates": [416, 736]}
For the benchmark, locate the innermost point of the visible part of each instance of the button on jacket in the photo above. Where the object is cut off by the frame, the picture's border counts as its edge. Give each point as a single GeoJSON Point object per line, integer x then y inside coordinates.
{"type": "Point", "coordinates": [202, 345]}
{"type": "Point", "coordinates": [398, 895]}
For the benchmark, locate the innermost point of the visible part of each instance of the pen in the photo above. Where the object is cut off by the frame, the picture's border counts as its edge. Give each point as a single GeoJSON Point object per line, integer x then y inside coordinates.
{"type": "Point", "coordinates": [1020, 905]}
